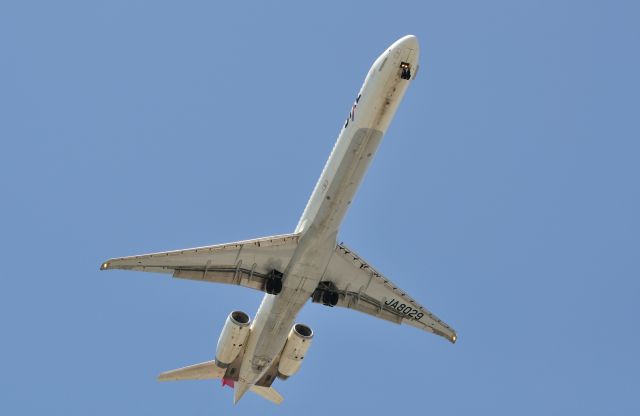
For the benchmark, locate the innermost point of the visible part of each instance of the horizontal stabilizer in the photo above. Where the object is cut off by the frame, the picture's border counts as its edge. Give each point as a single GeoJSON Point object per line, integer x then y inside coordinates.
{"type": "Point", "coordinates": [202, 371]}
{"type": "Point", "coordinates": [209, 370]}
{"type": "Point", "coordinates": [268, 393]}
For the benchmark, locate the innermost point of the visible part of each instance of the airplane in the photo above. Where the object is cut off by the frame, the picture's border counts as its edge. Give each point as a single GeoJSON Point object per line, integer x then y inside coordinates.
{"type": "Point", "coordinates": [306, 264]}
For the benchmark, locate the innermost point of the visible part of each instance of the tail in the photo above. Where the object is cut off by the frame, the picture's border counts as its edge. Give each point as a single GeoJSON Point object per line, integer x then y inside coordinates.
{"type": "Point", "coordinates": [268, 393]}
{"type": "Point", "coordinates": [239, 390]}
{"type": "Point", "coordinates": [209, 370]}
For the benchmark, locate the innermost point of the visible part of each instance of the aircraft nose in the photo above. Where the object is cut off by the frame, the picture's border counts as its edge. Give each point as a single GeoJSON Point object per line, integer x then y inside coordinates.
{"type": "Point", "coordinates": [409, 42]}
{"type": "Point", "coordinates": [406, 52]}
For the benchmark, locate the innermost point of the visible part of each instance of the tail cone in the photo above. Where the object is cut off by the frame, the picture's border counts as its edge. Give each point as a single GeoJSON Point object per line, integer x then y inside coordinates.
{"type": "Point", "coordinates": [239, 390]}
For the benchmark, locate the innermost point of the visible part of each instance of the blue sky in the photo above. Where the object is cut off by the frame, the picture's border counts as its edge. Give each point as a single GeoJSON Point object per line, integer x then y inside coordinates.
{"type": "Point", "coordinates": [505, 197]}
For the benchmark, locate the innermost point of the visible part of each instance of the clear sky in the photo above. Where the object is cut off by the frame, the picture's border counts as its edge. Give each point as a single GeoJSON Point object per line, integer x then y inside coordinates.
{"type": "Point", "coordinates": [504, 197]}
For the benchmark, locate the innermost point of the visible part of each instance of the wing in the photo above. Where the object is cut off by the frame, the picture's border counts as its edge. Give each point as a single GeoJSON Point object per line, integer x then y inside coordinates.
{"type": "Point", "coordinates": [356, 285]}
{"type": "Point", "coordinates": [247, 263]}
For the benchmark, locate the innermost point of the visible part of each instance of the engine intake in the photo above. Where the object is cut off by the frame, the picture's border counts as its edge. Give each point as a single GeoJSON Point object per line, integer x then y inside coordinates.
{"type": "Point", "coordinates": [232, 339]}
{"type": "Point", "coordinates": [298, 342]}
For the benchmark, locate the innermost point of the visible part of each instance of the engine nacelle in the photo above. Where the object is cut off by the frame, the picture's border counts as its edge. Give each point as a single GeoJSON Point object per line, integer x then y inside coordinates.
{"type": "Point", "coordinates": [232, 339]}
{"type": "Point", "coordinates": [295, 349]}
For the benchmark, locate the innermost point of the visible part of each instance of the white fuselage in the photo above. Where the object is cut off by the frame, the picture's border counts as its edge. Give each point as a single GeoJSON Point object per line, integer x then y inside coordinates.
{"type": "Point", "coordinates": [357, 143]}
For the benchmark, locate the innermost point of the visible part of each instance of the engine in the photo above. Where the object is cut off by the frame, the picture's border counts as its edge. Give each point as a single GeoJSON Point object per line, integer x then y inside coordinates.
{"type": "Point", "coordinates": [295, 349]}
{"type": "Point", "coordinates": [232, 339]}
